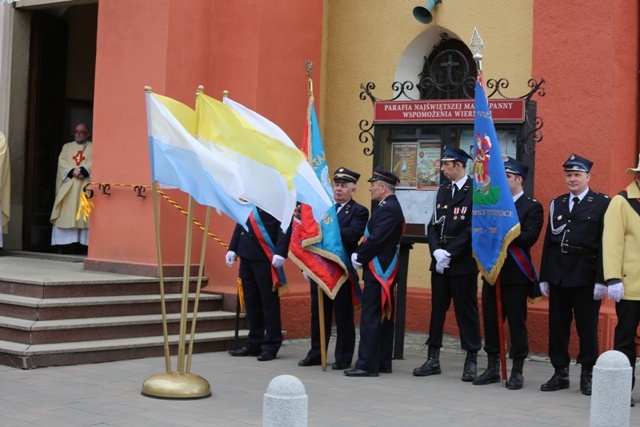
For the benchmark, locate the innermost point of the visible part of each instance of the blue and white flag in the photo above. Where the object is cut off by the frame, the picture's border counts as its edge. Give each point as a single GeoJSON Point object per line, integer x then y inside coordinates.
{"type": "Point", "coordinates": [494, 220]}
{"type": "Point", "coordinates": [179, 160]}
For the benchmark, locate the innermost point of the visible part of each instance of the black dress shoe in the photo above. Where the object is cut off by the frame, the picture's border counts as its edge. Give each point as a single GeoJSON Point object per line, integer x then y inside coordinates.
{"type": "Point", "coordinates": [308, 361]}
{"type": "Point", "coordinates": [339, 366]}
{"type": "Point", "coordinates": [265, 356]}
{"type": "Point", "coordinates": [386, 371]}
{"type": "Point", "coordinates": [244, 351]}
{"type": "Point", "coordinates": [355, 372]}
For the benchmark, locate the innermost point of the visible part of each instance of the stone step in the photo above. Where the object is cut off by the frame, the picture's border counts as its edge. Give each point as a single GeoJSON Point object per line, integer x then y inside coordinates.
{"type": "Point", "coordinates": [26, 356]}
{"type": "Point", "coordinates": [113, 327]}
{"type": "Point", "coordinates": [30, 308]}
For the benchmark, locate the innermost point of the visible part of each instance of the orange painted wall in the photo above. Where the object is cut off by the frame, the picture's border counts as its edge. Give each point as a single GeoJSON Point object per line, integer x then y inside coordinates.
{"type": "Point", "coordinates": [256, 50]}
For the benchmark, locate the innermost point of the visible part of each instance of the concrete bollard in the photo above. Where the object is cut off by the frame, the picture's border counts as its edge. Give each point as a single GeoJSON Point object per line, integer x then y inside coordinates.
{"type": "Point", "coordinates": [611, 392]}
{"type": "Point", "coordinates": [285, 403]}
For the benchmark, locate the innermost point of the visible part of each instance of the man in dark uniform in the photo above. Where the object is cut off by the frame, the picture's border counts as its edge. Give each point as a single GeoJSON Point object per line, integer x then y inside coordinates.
{"type": "Point", "coordinates": [571, 273]}
{"type": "Point", "coordinates": [262, 250]}
{"type": "Point", "coordinates": [518, 281]}
{"type": "Point", "coordinates": [378, 253]}
{"type": "Point", "coordinates": [454, 272]}
{"type": "Point", "coordinates": [352, 217]}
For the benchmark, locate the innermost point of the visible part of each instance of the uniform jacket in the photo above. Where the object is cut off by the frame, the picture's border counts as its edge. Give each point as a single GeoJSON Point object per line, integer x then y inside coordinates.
{"type": "Point", "coordinates": [246, 245]}
{"type": "Point", "coordinates": [385, 226]}
{"type": "Point", "coordinates": [621, 239]}
{"type": "Point", "coordinates": [531, 216]}
{"type": "Point", "coordinates": [455, 217]}
{"type": "Point", "coordinates": [352, 219]}
{"type": "Point", "coordinates": [582, 229]}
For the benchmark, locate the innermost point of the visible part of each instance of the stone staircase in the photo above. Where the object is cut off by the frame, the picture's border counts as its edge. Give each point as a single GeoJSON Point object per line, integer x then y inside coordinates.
{"type": "Point", "coordinates": [52, 312]}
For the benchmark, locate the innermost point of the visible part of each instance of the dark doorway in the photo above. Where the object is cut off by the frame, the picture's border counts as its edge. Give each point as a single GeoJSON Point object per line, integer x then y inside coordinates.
{"type": "Point", "coordinates": [61, 75]}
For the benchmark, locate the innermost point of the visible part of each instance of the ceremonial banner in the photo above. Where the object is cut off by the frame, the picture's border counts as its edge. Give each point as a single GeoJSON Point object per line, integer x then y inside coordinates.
{"type": "Point", "coordinates": [179, 160]}
{"type": "Point", "coordinates": [495, 219]}
{"type": "Point", "coordinates": [316, 247]}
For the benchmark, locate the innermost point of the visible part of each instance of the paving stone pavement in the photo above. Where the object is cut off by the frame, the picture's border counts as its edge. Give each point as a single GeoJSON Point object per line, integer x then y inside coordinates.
{"type": "Point", "coordinates": [108, 394]}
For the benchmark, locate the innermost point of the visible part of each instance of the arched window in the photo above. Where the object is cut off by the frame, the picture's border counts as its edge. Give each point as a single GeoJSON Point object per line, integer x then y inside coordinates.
{"type": "Point", "coordinates": [449, 71]}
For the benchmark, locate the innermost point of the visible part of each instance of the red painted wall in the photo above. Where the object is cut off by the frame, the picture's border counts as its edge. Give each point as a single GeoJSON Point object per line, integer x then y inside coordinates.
{"type": "Point", "coordinates": [256, 50]}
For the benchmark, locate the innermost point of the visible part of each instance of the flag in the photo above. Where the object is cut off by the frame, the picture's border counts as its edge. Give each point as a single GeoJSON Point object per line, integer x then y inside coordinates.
{"type": "Point", "coordinates": [494, 221]}
{"type": "Point", "coordinates": [309, 188]}
{"type": "Point", "coordinates": [316, 246]}
{"type": "Point", "coordinates": [266, 165]}
{"type": "Point", "coordinates": [179, 160]}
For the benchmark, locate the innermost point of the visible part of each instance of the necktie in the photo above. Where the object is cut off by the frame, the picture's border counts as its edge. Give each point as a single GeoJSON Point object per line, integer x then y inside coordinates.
{"type": "Point", "coordinates": [575, 200]}
{"type": "Point", "coordinates": [455, 191]}
{"type": "Point", "coordinates": [338, 206]}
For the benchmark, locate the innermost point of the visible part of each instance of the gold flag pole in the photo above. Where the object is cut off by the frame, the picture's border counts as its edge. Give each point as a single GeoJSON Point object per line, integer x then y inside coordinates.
{"type": "Point", "coordinates": [323, 332]}
{"type": "Point", "coordinates": [170, 384]}
{"type": "Point", "coordinates": [200, 267]}
{"type": "Point", "coordinates": [185, 286]}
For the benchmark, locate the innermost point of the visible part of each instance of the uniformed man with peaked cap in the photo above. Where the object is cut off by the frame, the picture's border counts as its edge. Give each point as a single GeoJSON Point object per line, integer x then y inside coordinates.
{"type": "Point", "coordinates": [571, 273]}
{"type": "Point", "coordinates": [454, 272]}
{"type": "Point", "coordinates": [352, 218]}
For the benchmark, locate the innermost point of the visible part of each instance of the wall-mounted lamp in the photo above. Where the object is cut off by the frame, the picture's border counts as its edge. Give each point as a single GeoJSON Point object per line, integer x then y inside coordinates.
{"type": "Point", "coordinates": [423, 14]}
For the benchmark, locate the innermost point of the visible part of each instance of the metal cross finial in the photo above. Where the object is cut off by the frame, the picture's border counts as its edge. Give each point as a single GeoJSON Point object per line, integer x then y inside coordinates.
{"type": "Point", "coordinates": [476, 45]}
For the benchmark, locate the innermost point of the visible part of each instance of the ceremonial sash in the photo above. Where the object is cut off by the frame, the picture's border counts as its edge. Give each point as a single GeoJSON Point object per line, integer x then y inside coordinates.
{"type": "Point", "coordinates": [277, 274]}
{"type": "Point", "coordinates": [386, 278]}
{"type": "Point", "coordinates": [523, 261]}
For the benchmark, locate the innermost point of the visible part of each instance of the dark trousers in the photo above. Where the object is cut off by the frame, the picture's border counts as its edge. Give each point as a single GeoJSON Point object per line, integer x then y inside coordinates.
{"type": "Point", "coordinates": [565, 304]}
{"type": "Point", "coordinates": [375, 350]}
{"type": "Point", "coordinates": [624, 339]}
{"type": "Point", "coordinates": [342, 306]}
{"type": "Point", "coordinates": [464, 292]}
{"type": "Point", "coordinates": [262, 305]}
{"type": "Point", "coordinates": [514, 309]}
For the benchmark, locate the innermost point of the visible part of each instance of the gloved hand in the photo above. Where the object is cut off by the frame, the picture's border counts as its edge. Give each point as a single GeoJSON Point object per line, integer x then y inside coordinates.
{"type": "Point", "coordinates": [230, 258]}
{"type": "Point", "coordinates": [599, 291]}
{"type": "Point", "coordinates": [616, 291]}
{"type": "Point", "coordinates": [440, 268]}
{"type": "Point", "coordinates": [354, 261]}
{"type": "Point", "coordinates": [544, 288]}
{"type": "Point", "coordinates": [277, 261]}
{"type": "Point", "coordinates": [440, 254]}
{"type": "Point", "coordinates": [306, 276]}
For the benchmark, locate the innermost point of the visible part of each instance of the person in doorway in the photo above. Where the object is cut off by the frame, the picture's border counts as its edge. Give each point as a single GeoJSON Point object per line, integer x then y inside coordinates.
{"type": "Point", "coordinates": [378, 255]}
{"type": "Point", "coordinates": [262, 249]}
{"type": "Point", "coordinates": [571, 273]}
{"type": "Point", "coordinates": [5, 186]}
{"type": "Point", "coordinates": [69, 234]}
{"type": "Point", "coordinates": [518, 281]}
{"type": "Point", "coordinates": [454, 272]}
{"type": "Point", "coordinates": [352, 218]}
{"type": "Point", "coordinates": [621, 265]}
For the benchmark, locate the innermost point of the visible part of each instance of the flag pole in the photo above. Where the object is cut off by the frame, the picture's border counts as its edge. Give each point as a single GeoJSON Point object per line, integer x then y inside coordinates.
{"type": "Point", "coordinates": [169, 384]}
{"type": "Point", "coordinates": [239, 295]}
{"type": "Point", "coordinates": [476, 46]}
{"type": "Point", "coordinates": [323, 332]}
{"type": "Point", "coordinates": [200, 269]}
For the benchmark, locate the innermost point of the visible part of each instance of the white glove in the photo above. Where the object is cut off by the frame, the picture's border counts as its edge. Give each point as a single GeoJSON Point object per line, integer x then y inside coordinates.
{"type": "Point", "coordinates": [440, 268]}
{"type": "Point", "coordinates": [306, 276]}
{"type": "Point", "coordinates": [230, 258]}
{"type": "Point", "coordinates": [616, 292]}
{"type": "Point", "coordinates": [354, 261]}
{"type": "Point", "coordinates": [439, 254]}
{"type": "Point", "coordinates": [544, 288]}
{"type": "Point", "coordinates": [599, 291]}
{"type": "Point", "coordinates": [277, 261]}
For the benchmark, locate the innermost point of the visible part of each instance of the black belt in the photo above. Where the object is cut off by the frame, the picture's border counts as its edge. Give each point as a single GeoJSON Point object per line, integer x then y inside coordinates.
{"type": "Point", "coordinates": [567, 249]}
{"type": "Point", "coordinates": [445, 240]}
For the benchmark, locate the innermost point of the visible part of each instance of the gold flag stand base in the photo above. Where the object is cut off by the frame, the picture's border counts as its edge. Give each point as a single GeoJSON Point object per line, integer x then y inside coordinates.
{"type": "Point", "coordinates": [176, 386]}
